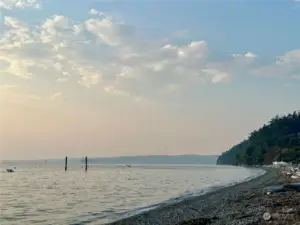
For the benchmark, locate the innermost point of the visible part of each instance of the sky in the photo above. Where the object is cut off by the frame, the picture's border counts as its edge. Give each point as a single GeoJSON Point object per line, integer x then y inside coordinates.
{"type": "Point", "coordinates": [128, 77]}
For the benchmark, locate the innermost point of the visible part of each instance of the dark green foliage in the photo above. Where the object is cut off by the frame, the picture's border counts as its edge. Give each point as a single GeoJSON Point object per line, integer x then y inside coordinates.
{"type": "Point", "coordinates": [279, 140]}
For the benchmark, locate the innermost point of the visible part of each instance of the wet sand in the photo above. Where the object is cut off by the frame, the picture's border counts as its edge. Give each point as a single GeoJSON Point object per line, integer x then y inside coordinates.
{"type": "Point", "coordinates": [242, 204]}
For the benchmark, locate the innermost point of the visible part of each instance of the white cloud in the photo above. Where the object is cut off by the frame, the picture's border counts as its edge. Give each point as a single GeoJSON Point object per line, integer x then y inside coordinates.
{"type": "Point", "coordinates": [96, 12]}
{"type": "Point", "coordinates": [217, 75]}
{"type": "Point", "coordinates": [88, 78]}
{"type": "Point", "coordinates": [247, 55]}
{"type": "Point", "coordinates": [286, 65]}
{"type": "Point", "coordinates": [290, 58]}
{"type": "Point", "coordinates": [107, 31]}
{"type": "Point", "coordinates": [10, 4]}
{"type": "Point", "coordinates": [115, 91]}
{"type": "Point", "coordinates": [108, 54]}
{"type": "Point", "coordinates": [250, 55]}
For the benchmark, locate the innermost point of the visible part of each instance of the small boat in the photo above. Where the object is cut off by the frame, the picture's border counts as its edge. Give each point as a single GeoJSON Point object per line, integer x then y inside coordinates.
{"type": "Point", "coordinates": [9, 170]}
{"type": "Point", "coordinates": [128, 165]}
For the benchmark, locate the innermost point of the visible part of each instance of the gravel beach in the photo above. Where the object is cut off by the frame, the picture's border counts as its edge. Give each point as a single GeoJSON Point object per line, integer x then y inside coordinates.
{"type": "Point", "coordinates": [242, 204]}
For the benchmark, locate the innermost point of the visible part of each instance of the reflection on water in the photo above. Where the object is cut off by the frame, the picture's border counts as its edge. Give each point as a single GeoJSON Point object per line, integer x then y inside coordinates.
{"type": "Point", "coordinates": [46, 194]}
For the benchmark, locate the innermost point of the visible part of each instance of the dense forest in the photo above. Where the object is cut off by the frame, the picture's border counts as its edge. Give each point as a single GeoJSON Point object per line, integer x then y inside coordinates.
{"type": "Point", "coordinates": [278, 140]}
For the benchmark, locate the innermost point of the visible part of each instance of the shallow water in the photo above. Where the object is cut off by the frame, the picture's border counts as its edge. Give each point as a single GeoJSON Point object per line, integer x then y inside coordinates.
{"type": "Point", "coordinates": [46, 194]}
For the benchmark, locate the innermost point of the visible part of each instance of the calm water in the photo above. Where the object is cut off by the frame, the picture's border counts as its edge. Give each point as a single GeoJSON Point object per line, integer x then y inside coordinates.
{"type": "Point", "coordinates": [48, 195]}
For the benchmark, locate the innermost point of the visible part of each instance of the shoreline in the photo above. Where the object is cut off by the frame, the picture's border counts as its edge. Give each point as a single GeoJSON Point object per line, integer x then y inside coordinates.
{"type": "Point", "coordinates": [209, 206]}
{"type": "Point", "coordinates": [181, 198]}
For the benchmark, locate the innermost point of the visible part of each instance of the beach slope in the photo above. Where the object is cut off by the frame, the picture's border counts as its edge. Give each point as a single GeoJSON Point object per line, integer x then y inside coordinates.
{"type": "Point", "coordinates": [243, 203]}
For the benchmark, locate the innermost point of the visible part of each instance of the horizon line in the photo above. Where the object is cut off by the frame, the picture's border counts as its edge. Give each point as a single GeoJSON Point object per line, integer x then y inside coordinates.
{"type": "Point", "coordinates": [107, 157]}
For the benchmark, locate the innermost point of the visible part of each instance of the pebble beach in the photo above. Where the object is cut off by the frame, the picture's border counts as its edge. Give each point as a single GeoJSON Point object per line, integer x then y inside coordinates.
{"type": "Point", "coordinates": [244, 204]}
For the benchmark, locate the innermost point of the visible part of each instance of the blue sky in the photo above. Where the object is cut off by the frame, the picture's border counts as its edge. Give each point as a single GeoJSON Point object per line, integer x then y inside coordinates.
{"type": "Point", "coordinates": [143, 77]}
{"type": "Point", "coordinates": [227, 25]}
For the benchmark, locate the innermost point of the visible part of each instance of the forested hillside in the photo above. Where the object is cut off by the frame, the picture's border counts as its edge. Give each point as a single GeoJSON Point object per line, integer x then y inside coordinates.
{"type": "Point", "coordinates": [278, 140]}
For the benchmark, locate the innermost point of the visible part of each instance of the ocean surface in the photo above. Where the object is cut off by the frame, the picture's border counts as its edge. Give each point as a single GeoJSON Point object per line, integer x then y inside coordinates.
{"type": "Point", "coordinates": [45, 194]}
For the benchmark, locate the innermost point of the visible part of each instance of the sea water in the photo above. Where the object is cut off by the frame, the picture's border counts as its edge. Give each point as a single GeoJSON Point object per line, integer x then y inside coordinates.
{"type": "Point", "coordinates": [46, 194]}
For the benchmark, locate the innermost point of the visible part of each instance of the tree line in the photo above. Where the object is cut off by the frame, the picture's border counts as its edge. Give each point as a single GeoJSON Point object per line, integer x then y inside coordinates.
{"type": "Point", "coordinates": [278, 140]}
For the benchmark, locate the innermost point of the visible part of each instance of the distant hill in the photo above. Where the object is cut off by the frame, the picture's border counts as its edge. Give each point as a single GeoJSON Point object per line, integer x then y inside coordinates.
{"type": "Point", "coordinates": [157, 159]}
{"type": "Point", "coordinates": [278, 140]}
{"type": "Point", "coordinates": [151, 159]}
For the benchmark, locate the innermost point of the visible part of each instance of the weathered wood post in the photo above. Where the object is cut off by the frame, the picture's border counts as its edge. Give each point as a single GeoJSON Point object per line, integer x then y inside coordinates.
{"type": "Point", "coordinates": [86, 163]}
{"type": "Point", "coordinates": [66, 163]}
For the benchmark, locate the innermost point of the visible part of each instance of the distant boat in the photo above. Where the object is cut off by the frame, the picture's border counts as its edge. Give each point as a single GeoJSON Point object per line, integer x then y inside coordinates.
{"type": "Point", "coordinates": [128, 165]}
{"type": "Point", "coordinates": [10, 170]}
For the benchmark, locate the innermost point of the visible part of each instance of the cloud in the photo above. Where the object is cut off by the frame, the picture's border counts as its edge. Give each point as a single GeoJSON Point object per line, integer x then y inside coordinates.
{"type": "Point", "coordinates": [248, 55]}
{"type": "Point", "coordinates": [113, 90]}
{"type": "Point", "coordinates": [290, 58]}
{"type": "Point", "coordinates": [10, 4]}
{"type": "Point", "coordinates": [96, 12]}
{"type": "Point", "coordinates": [55, 96]}
{"type": "Point", "coordinates": [106, 53]}
{"type": "Point", "coordinates": [217, 75]}
{"type": "Point", "coordinates": [287, 64]}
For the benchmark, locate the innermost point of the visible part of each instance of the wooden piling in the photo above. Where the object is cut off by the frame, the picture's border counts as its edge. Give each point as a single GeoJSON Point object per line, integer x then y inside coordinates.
{"type": "Point", "coordinates": [66, 163]}
{"type": "Point", "coordinates": [86, 163]}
